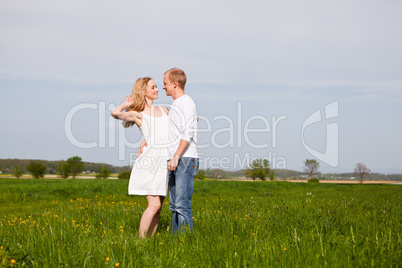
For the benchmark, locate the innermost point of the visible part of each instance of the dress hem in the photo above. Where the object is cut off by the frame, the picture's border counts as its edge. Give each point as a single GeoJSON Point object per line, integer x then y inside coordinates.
{"type": "Point", "coordinates": [143, 193]}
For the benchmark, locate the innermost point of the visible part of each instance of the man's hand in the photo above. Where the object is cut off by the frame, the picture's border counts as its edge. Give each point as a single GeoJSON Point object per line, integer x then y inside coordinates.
{"type": "Point", "coordinates": [172, 164]}
{"type": "Point", "coordinates": [141, 150]}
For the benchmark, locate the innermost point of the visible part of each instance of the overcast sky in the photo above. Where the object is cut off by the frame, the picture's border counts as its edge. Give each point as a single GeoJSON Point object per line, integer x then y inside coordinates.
{"type": "Point", "coordinates": [266, 65]}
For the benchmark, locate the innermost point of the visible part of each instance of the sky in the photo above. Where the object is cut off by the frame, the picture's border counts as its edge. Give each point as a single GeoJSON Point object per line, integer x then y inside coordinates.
{"type": "Point", "coordinates": [282, 80]}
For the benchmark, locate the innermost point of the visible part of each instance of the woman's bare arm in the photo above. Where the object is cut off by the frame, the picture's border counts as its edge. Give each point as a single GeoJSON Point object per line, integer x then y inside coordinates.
{"type": "Point", "coordinates": [132, 116]}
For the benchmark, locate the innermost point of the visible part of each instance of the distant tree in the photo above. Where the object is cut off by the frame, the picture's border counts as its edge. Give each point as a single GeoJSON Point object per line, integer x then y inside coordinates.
{"type": "Point", "coordinates": [271, 175]}
{"type": "Point", "coordinates": [200, 174]}
{"type": "Point", "coordinates": [124, 175]}
{"type": "Point", "coordinates": [311, 167]}
{"type": "Point", "coordinates": [361, 170]}
{"type": "Point", "coordinates": [259, 168]}
{"type": "Point", "coordinates": [37, 169]}
{"type": "Point", "coordinates": [17, 171]}
{"type": "Point", "coordinates": [103, 173]}
{"type": "Point", "coordinates": [249, 174]}
{"type": "Point", "coordinates": [75, 165]}
{"type": "Point", "coordinates": [63, 169]}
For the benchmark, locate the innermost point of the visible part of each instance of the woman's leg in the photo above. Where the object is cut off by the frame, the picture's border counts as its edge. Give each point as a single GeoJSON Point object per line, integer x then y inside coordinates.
{"type": "Point", "coordinates": [154, 206]}
{"type": "Point", "coordinates": [155, 221]}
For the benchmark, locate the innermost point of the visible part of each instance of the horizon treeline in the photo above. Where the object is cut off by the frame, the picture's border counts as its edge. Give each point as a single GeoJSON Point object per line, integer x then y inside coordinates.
{"type": "Point", "coordinates": [7, 165]}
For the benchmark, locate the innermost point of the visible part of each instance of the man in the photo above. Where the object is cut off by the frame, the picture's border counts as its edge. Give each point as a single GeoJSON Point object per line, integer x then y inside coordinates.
{"type": "Point", "coordinates": [182, 149]}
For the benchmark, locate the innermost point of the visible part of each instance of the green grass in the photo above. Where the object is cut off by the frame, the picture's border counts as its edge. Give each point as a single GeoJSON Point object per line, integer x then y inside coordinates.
{"type": "Point", "coordinates": [94, 223]}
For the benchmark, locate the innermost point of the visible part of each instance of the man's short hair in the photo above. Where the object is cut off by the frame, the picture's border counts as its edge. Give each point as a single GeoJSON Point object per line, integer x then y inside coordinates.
{"type": "Point", "coordinates": [178, 75]}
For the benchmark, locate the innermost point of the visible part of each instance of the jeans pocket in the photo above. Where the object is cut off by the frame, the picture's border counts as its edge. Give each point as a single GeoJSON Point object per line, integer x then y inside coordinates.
{"type": "Point", "coordinates": [195, 165]}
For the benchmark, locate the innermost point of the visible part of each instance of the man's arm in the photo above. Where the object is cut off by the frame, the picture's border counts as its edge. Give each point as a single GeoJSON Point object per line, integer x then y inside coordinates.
{"type": "Point", "coordinates": [172, 164]}
{"type": "Point", "coordinates": [188, 124]}
{"type": "Point", "coordinates": [141, 150]}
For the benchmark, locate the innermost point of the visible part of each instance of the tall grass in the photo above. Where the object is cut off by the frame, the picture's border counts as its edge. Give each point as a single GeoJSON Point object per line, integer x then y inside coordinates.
{"type": "Point", "coordinates": [94, 223]}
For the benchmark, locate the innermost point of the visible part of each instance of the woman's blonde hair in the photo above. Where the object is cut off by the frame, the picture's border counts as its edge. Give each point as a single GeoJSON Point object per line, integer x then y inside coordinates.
{"type": "Point", "coordinates": [138, 95]}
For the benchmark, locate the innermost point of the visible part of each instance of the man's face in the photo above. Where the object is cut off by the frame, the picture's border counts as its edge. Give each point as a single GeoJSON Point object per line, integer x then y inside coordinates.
{"type": "Point", "coordinates": [168, 85]}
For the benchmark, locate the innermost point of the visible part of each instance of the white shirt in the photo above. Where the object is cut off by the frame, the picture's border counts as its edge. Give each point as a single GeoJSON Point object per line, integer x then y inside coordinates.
{"type": "Point", "coordinates": [182, 125]}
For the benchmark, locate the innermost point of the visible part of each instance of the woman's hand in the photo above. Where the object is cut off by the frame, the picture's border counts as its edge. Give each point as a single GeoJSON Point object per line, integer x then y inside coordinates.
{"type": "Point", "coordinates": [118, 111]}
{"type": "Point", "coordinates": [129, 100]}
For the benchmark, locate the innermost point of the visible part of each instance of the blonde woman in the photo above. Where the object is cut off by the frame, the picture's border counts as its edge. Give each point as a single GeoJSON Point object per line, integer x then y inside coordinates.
{"type": "Point", "coordinates": [149, 173]}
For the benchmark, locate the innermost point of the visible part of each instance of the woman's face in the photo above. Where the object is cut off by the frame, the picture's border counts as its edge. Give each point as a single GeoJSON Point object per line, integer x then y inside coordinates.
{"type": "Point", "coordinates": [151, 91]}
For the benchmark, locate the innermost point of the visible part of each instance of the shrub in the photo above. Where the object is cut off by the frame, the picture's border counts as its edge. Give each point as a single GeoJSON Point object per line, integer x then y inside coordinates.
{"type": "Point", "coordinates": [200, 174]}
{"type": "Point", "coordinates": [125, 175]}
{"type": "Point", "coordinates": [17, 171]}
{"type": "Point", "coordinates": [313, 180]}
{"type": "Point", "coordinates": [259, 168]}
{"type": "Point", "coordinates": [104, 173]}
{"type": "Point", "coordinates": [63, 170]}
{"type": "Point", "coordinates": [36, 169]}
{"type": "Point", "coordinates": [271, 175]}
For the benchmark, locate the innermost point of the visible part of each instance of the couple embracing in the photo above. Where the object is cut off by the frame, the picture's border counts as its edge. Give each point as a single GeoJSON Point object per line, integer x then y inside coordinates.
{"type": "Point", "coordinates": [168, 156]}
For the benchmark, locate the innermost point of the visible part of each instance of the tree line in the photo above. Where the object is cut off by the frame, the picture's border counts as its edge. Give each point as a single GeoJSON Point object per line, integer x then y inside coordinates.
{"type": "Point", "coordinates": [257, 169]}
{"type": "Point", "coordinates": [7, 166]}
{"type": "Point", "coordinates": [260, 169]}
{"type": "Point", "coordinates": [65, 169]}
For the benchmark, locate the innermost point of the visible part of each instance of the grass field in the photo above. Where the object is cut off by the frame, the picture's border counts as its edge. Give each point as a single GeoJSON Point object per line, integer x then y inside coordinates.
{"type": "Point", "coordinates": [94, 223]}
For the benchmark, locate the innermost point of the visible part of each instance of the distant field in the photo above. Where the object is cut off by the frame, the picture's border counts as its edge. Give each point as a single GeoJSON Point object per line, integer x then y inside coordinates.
{"type": "Point", "coordinates": [94, 223]}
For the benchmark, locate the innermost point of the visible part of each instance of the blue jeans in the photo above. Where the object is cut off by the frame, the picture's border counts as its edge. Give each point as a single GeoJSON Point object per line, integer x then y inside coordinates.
{"type": "Point", "coordinates": [181, 184]}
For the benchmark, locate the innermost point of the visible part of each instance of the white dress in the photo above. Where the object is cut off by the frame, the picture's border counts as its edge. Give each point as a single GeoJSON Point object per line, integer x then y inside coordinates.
{"type": "Point", "coordinates": [149, 175]}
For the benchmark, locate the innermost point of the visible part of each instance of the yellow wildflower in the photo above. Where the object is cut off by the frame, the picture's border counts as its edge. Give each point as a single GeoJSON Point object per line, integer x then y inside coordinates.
{"type": "Point", "coordinates": [107, 259]}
